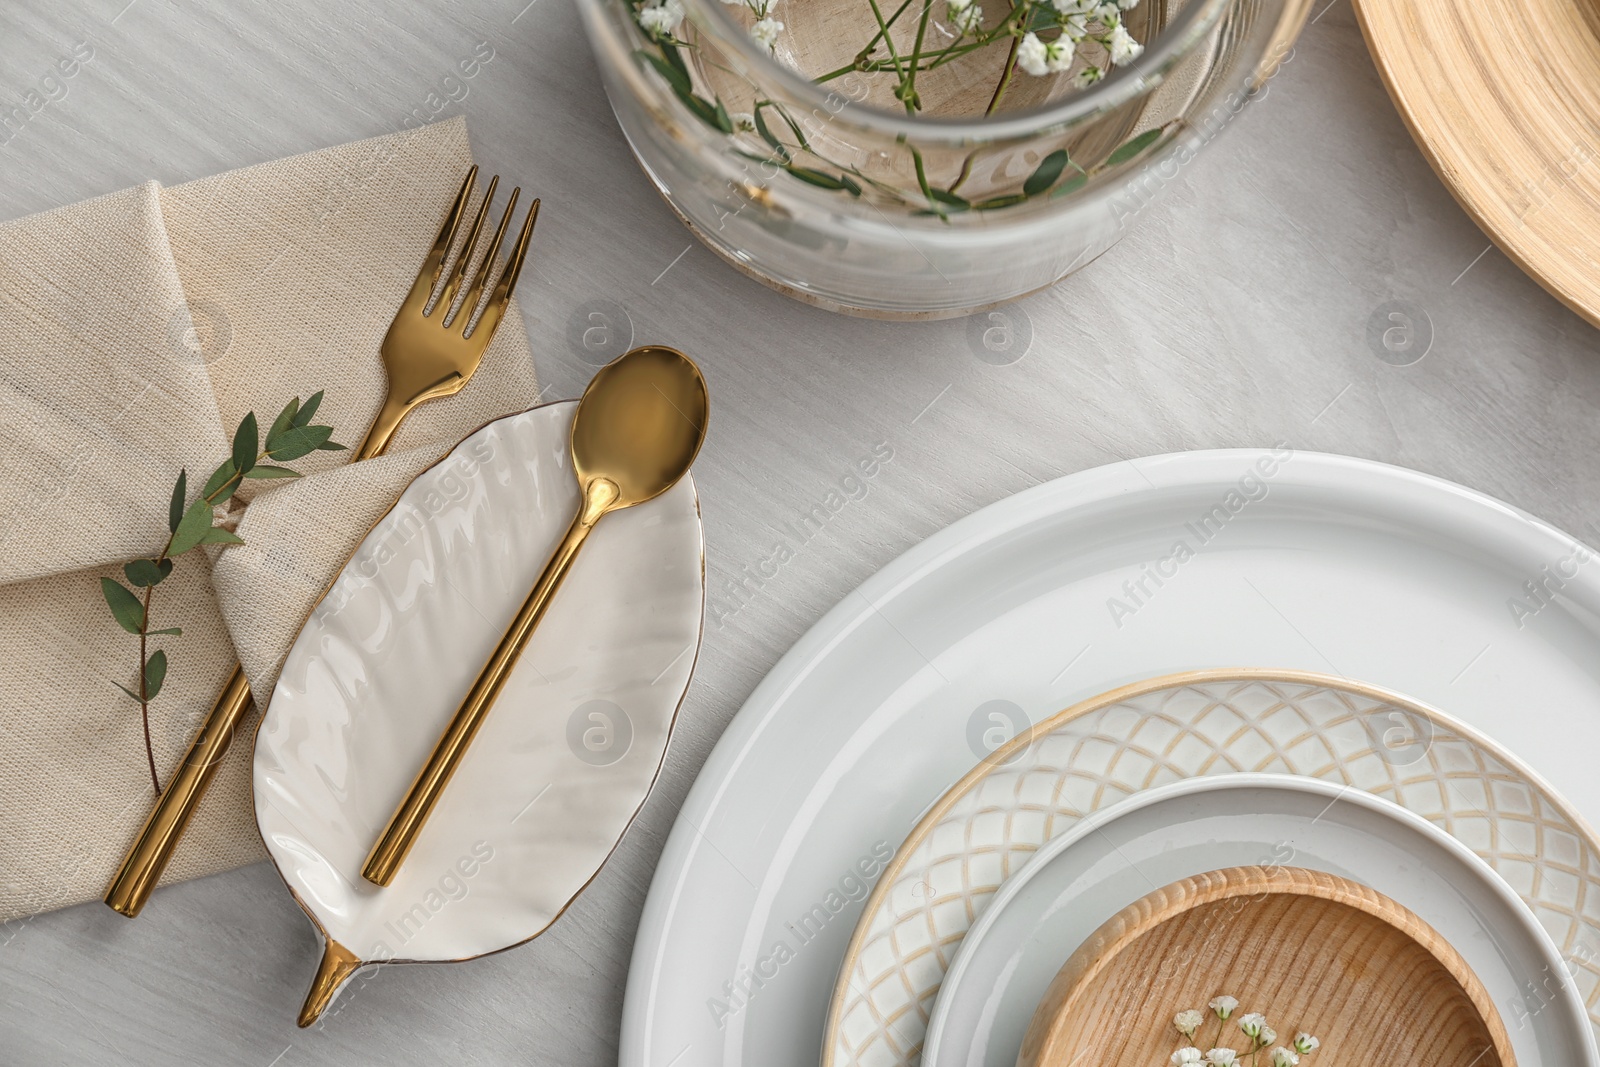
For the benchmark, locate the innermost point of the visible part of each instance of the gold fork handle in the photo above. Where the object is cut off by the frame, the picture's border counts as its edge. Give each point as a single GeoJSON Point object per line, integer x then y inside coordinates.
{"type": "Point", "coordinates": [390, 851]}
{"type": "Point", "coordinates": [389, 418]}
{"type": "Point", "coordinates": [158, 839]}
{"type": "Point", "coordinates": [146, 861]}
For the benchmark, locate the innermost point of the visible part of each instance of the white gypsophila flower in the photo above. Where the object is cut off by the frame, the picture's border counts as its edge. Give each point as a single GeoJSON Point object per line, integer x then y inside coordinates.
{"type": "Point", "coordinates": [1188, 1022]}
{"type": "Point", "coordinates": [1031, 56]}
{"type": "Point", "coordinates": [955, 7]}
{"type": "Point", "coordinates": [662, 18]}
{"type": "Point", "coordinates": [1122, 46]}
{"type": "Point", "coordinates": [1282, 1057]}
{"type": "Point", "coordinates": [1074, 7]}
{"type": "Point", "coordinates": [1251, 1024]}
{"type": "Point", "coordinates": [1267, 1036]}
{"type": "Point", "coordinates": [1108, 13]}
{"type": "Point", "coordinates": [1224, 1006]}
{"type": "Point", "coordinates": [1222, 1057]}
{"type": "Point", "coordinates": [1087, 77]}
{"type": "Point", "coordinates": [968, 19]}
{"type": "Point", "coordinates": [766, 32]}
{"type": "Point", "coordinates": [1187, 1057]}
{"type": "Point", "coordinates": [1059, 55]}
{"type": "Point", "coordinates": [1305, 1044]}
{"type": "Point", "coordinates": [1075, 27]}
{"type": "Point", "coordinates": [1127, 5]}
{"type": "Point", "coordinates": [743, 122]}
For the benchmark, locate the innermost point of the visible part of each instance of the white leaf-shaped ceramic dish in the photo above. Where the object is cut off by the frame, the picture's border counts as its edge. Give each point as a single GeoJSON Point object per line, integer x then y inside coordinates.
{"type": "Point", "coordinates": [568, 753]}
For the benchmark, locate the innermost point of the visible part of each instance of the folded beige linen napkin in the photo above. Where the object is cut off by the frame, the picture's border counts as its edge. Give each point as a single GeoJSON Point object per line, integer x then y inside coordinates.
{"type": "Point", "coordinates": [136, 329]}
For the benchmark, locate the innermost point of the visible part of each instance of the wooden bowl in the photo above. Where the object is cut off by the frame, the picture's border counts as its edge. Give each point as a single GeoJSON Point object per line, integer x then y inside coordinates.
{"type": "Point", "coordinates": [1311, 951]}
{"type": "Point", "coordinates": [1501, 96]}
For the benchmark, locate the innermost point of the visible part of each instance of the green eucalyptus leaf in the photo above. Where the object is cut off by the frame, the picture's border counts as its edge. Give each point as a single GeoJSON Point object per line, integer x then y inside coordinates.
{"type": "Point", "coordinates": [701, 107]}
{"type": "Point", "coordinates": [767, 136]}
{"type": "Point", "coordinates": [219, 478]}
{"type": "Point", "coordinates": [1128, 149]}
{"type": "Point", "coordinates": [308, 409]}
{"type": "Point", "coordinates": [300, 441]}
{"type": "Point", "coordinates": [218, 536]}
{"type": "Point", "coordinates": [675, 57]}
{"type": "Point", "coordinates": [949, 200]}
{"type": "Point", "coordinates": [850, 185]}
{"type": "Point", "coordinates": [125, 607]}
{"type": "Point", "coordinates": [175, 507]}
{"type": "Point", "coordinates": [1046, 173]}
{"type": "Point", "coordinates": [143, 573]}
{"type": "Point", "coordinates": [267, 471]}
{"type": "Point", "coordinates": [155, 672]}
{"type": "Point", "coordinates": [1001, 201]}
{"type": "Point", "coordinates": [724, 120]}
{"type": "Point", "coordinates": [192, 530]}
{"type": "Point", "coordinates": [1071, 185]}
{"type": "Point", "coordinates": [815, 177]}
{"type": "Point", "coordinates": [130, 692]}
{"type": "Point", "coordinates": [331, 446]}
{"type": "Point", "coordinates": [175, 631]}
{"type": "Point", "coordinates": [246, 443]}
{"type": "Point", "coordinates": [678, 79]}
{"type": "Point", "coordinates": [284, 420]}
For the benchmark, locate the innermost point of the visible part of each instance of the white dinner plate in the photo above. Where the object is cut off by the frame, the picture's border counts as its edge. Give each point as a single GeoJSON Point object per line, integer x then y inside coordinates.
{"type": "Point", "coordinates": [572, 745]}
{"type": "Point", "coordinates": [1291, 560]}
{"type": "Point", "coordinates": [1110, 859]}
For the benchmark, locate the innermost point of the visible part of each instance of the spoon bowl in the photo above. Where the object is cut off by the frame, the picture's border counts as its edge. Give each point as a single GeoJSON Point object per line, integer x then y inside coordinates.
{"type": "Point", "coordinates": [641, 424]}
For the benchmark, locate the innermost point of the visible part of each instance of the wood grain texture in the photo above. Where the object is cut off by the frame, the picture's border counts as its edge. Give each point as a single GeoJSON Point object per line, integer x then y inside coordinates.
{"type": "Point", "coordinates": [1502, 97]}
{"type": "Point", "coordinates": [1233, 313]}
{"type": "Point", "coordinates": [1313, 952]}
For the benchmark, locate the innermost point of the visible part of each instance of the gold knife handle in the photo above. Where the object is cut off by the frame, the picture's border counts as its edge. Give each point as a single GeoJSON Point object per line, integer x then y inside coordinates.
{"type": "Point", "coordinates": [146, 861]}
{"type": "Point", "coordinates": [390, 851]}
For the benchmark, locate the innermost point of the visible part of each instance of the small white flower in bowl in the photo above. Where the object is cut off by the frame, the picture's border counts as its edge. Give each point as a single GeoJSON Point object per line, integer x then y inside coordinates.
{"type": "Point", "coordinates": [766, 32]}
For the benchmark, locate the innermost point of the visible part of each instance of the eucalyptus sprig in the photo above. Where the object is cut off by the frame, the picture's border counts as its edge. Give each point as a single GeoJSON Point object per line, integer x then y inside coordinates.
{"type": "Point", "coordinates": [191, 524]}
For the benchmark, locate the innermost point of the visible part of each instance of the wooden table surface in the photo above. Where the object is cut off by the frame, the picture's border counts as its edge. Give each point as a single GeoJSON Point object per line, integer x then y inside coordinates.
{"type": "Point", "coordinates": [1247, 306]}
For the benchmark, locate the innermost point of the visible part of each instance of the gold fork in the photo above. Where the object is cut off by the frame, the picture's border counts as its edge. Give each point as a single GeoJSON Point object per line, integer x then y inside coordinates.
{"type": "Point", "coordinates": [427, 353]}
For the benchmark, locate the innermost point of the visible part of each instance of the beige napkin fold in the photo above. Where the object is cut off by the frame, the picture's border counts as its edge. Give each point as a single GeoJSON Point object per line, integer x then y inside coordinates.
{"type": "Point", "coordinates": [135, 331]}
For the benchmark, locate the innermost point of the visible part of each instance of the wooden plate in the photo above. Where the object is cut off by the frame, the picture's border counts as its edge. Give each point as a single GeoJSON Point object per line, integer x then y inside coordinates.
{"type": "Point", "coordinates": [1311, 951]}
{"type": "Point", "coordinates": [1502, 96]}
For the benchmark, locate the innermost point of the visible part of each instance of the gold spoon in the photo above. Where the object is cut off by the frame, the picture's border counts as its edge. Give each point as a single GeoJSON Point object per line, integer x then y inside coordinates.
{"type": "Point", "coordinates": [637, 430]}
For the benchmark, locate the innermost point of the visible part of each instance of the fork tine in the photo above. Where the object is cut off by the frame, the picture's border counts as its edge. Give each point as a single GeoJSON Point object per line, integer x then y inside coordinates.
{"type": "Point", "coordinates": [475, 294]}
{"type": "Point", "coordinates": [508, 280]}
{"type": "Point", "coordinates": [458, 276]}
{"type": "Point", "coordinates": [494, 308]}
{"type": "Point", "coordinates": [452, 223]}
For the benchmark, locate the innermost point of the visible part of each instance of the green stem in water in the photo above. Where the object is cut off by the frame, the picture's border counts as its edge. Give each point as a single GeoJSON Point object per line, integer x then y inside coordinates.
{"type": "Point", "coordinates": [883, 32]}
{"type": "Point", "coordinates": [909, 84]}
{"type": "Point", "coordinates": [1005, 79]}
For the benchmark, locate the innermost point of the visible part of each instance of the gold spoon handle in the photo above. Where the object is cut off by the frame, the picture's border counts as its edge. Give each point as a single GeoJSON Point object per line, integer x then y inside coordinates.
{"type": "Point", "coordinates": [390, 851]}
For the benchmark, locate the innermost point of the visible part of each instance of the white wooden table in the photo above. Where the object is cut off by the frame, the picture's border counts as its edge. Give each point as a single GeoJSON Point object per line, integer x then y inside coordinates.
{"type": "Point", "coordinates": [1238, 312]}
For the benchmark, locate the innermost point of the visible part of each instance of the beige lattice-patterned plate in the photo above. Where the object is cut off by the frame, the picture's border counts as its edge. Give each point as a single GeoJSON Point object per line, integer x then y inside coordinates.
{"type": "Point", "coordinates": [1190, 725]}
